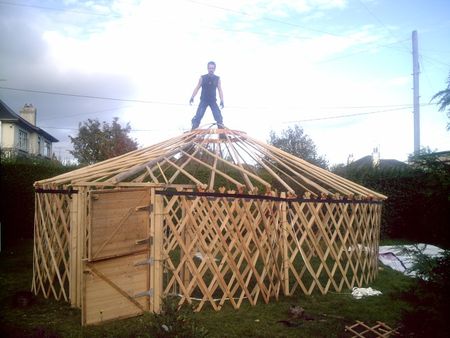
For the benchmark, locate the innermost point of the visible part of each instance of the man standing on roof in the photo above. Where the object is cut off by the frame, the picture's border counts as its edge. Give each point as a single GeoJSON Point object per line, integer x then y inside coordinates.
{"type": "Point", "coordinates": [209, 83]}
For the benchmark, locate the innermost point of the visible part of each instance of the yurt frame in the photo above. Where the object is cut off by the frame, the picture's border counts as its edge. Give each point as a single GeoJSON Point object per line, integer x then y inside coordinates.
{"type": "Point", "coordinates": [115, 237]}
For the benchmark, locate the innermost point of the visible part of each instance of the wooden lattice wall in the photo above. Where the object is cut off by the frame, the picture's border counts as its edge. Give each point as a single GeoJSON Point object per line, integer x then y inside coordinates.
{"type": "Point", "coordinates": [235, 249]}
{"type": "Point", "coordinates": [51, 258]}
{"type": "Point", "coordinates": [207, 248]}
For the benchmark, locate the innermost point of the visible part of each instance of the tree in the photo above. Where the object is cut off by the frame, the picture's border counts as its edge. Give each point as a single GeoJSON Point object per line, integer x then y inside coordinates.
{"type": "Point", "coordinates": [100, 141]}
{"type": "Point", "coordinates": [296, 142]}
{"type": "Point", "coordinates": [444, 100]}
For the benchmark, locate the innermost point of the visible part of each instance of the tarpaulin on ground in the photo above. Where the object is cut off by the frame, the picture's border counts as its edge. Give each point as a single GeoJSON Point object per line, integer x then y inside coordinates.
{"type": "Point", "coordinates": [402, 257]}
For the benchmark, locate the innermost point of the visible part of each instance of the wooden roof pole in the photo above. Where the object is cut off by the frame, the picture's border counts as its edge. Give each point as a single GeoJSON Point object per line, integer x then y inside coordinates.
{"type": "Point", "coordinates": [336, 179]}
{"type": "Point", "coordinates": [123, 176]}
{"type": "Point", "coordinates": [259, 179]}
{"type": "Point", "coordinates": [124, 158]}
{"type": "Point", "coordinates": [186, 173]}
{"type": "Point", "coordinates": [330, 180]}
{"type": "Point", "coordinates": [303, 178]}
{"type": "Point", "coordinates": [141, 177]}
{"type": "Point", "coordinates": [91, 172]}
{"type": "Point", "coordinates": [273, 173]}
{"type": "Point", "coordinates": [213, 172]}
{"type": "Point", "coordinates": [260, 160]}
{"type": "Point", "coordinates": [237, 183]}
{"type": "Point", "coordinates": [339, 182]}
{"type": "Point", "coordinates": [244, 175]}
{"type": "Point", "coordinates": [175, 175]}
{"type": "Point", "coordinates": [326, 175]}
{"type": "Point", "coordinates": [66, 176]}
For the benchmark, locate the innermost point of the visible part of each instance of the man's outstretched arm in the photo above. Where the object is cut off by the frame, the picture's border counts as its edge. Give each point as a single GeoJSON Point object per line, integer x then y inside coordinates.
{"type": "Point", "coordinates": [196, 90]}
{"type": "Point", "coordinates": [219, 88]}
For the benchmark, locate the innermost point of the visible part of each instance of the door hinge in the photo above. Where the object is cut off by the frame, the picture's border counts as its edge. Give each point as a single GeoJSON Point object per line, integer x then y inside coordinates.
{"type": "Point", "coordinates": [149, 261]}
{"type": "Point", "coordinates": [148, 293]}
{"type": "Point", "coordinates": [148, 241]}
{"type": "Point", "coordinates": [148, 208]}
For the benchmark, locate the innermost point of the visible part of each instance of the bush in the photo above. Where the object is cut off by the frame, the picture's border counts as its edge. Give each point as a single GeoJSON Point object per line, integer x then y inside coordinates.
{"type": "Point", "coordinates": [16, 186]}
{"type": "Point", "coordinates": [176, 321]}
{"type": "Point", "coordinates": [429, 297]}
{"type": "Point", "coordinates": [418, 204]}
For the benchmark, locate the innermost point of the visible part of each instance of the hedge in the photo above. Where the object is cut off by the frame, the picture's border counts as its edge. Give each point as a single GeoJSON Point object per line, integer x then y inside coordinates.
{"type": "Point", "coordinates": [418, 204]}
{"type": "Point", "coordinates": [17, 192]}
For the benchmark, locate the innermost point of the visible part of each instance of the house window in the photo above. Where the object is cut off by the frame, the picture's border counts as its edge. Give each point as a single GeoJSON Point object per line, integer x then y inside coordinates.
{"type": "Point", "coordinates": [23, 140]}
{"type": "Point", "coordinates": [48, 149]}
{"type": "Point", "coordinates": [39, 146]}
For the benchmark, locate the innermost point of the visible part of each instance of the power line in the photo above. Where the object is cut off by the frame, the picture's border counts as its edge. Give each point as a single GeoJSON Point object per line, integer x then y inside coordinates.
{"type": "Point", "coordinates": [199, 3]}
{"type": "Point", "coordinates": [430, 59]}
{"type": "Point", "coordinates": [133, 130]}
{"type": "Point", "coordinates": [263, 18]}
{"type": "Point", "coordinates": [379, 21]}
{"type": "Point", "coordinates": [167, 103]}
{"type": "Point", "coordinates": [91, 96]}
{"type": "Point", "coordinates": [87, 113]}
{"type": "Point", "coordinates": [58, 128]}
{"type": "Point", "coordinates": [422, 69]}
{"type": "Point", "coordinates": [351, 115]}
{"type": "Point", "coordinates": [57, 9]}
{"type": "Point", "coordinates": [369, 47]}
{"type": "Point", "coordinates": [226, 29]}
{"type": "Point", "coordinates": [196, 2]}
{"type": "Point", "coordinates": [399, 107]}
{"type": "Point", "coordinates": [375, 106]}
{"type": "Point", "coordinates": [306, 28]}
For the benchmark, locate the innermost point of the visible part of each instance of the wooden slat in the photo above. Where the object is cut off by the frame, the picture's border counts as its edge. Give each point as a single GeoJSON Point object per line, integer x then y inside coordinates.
{"type": "Point", "coordinates": [156, 281]}
{"type": "Point", "coordinates": [116, 225]}
{"type": "Point", "coordinates": [110, 292]}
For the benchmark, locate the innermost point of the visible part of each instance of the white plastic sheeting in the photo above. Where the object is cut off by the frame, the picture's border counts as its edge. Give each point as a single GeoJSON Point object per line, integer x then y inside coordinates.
{"type": "Point", "coordinates": [359, 293]}
{"type": "Point", "coordinates": [401, 257]}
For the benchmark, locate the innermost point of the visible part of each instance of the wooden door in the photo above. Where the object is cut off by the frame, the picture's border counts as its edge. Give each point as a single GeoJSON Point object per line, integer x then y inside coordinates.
{"type": "Point", "coordinates": [116, 279]}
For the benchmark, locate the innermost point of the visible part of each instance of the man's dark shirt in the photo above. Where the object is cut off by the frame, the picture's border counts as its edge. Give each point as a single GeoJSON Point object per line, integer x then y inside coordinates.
{"type": "Point", "coordinates": [209, 86]}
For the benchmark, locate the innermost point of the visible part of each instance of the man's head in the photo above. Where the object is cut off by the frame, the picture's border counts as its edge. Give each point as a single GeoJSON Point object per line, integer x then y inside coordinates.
{"type": "Point", "coordinates": [211, 67]}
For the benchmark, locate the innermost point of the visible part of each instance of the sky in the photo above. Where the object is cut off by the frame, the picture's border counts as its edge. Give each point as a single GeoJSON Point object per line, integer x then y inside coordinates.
{"type": "Point", "coordinates": [340, 69]}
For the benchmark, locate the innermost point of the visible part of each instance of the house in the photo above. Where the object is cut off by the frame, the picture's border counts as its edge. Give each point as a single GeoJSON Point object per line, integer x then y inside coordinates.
{"type": "Point", "coordinates": [19, 135]}
{"type": "Point", "coordinates": [371, 161]}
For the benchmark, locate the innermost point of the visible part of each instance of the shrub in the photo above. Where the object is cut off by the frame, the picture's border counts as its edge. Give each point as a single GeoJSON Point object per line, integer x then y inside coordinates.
{"type": "Point", "coordinates": [16, 186]}
{"type": "Point", "coordinates": [176, 321]}
{"type": "Point", "coordinates": [418, 204]}
{"type": "Point", "coordinates": [430, 298]}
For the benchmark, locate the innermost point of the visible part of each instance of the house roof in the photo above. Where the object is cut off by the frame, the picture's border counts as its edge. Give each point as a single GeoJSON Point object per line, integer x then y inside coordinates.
{"type": "Point", "coordinates": [213, 160]}
{"type": "Point", "coordinates": [7, 114]}
{"type": "Point", "coordinates": [367, 161]}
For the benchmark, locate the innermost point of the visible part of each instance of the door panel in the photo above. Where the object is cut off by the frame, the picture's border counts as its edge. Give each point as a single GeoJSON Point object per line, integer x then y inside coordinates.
{"type": "Point", "coordinates": [118, 220]}
{"type": "Point", "coordinates": [116, 276]}
{"type": "Point", "coordinates": [111, 287]}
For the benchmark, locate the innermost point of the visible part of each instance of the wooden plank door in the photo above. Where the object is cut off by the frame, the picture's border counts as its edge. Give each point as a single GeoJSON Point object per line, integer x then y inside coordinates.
{"type": "Point", "coordinates": [116, 279]}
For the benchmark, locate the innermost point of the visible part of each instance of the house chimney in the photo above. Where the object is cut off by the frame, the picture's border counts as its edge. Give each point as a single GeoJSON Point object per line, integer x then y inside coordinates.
{"type": "Point", "coordinates": [376, 157]}
{"type": "Point", "coordinates": [28, 113]}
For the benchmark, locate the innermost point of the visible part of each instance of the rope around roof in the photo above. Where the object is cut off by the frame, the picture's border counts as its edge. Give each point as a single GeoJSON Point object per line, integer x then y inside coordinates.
{"type": "Point", "coordinates": [215, 159]}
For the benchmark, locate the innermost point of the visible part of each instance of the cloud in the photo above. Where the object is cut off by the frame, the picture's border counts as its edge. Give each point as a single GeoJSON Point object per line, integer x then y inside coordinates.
{"type": "Point", "coordinates": [154, 51]}
{"type": "Point", "coordinates": [276, 63]}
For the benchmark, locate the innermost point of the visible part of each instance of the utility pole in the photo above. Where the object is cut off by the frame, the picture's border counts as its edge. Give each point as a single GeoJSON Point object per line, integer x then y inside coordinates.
{"type": "Point", "coordinates": [416, 111]}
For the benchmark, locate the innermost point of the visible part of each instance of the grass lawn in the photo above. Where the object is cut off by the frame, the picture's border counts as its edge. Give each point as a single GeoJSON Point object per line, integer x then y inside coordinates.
{"type": "Point", "coordinates": [328, 314]}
